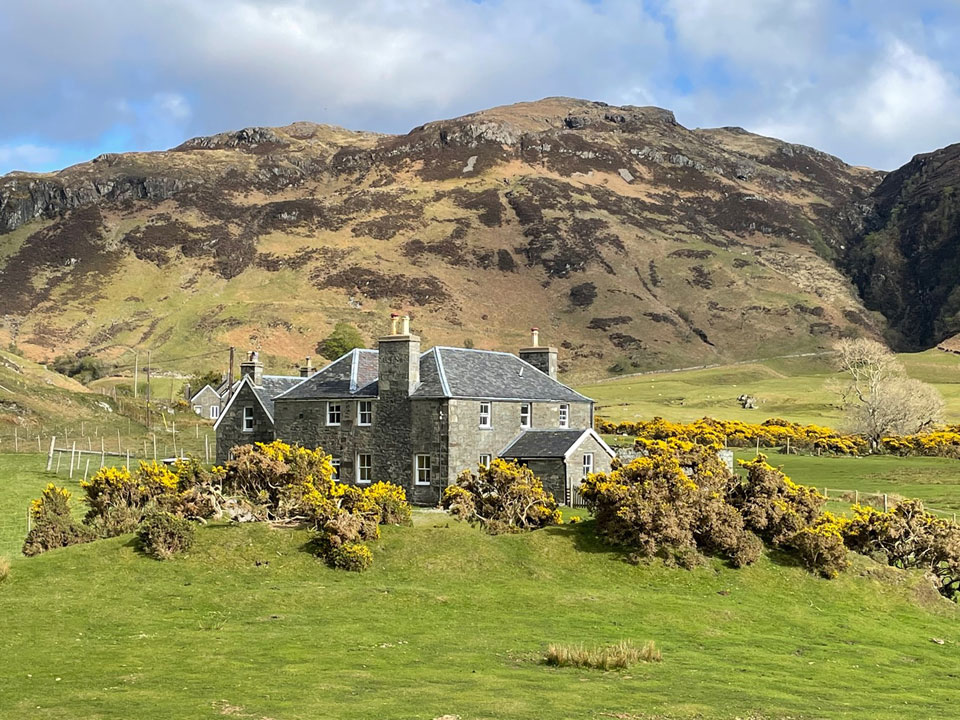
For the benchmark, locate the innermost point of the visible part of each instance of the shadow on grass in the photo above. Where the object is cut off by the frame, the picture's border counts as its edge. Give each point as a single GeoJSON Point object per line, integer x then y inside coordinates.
{"type": "Point", "coordinates": [583, 536]}
{"type": "Point", "coordinates": [782, 557]}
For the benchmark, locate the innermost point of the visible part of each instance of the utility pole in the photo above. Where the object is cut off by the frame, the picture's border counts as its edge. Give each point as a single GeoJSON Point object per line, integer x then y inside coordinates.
{"type": "Point", "coordinates": [136, 373]}
{"type": "Point", "coordinates": [230, 376]}
{"type": "Point", "coordinates": [148, 388]}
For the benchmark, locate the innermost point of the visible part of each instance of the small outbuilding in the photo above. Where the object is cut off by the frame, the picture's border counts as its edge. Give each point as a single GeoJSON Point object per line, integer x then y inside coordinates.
{"type": "Point", "coordinates": [561, 458]}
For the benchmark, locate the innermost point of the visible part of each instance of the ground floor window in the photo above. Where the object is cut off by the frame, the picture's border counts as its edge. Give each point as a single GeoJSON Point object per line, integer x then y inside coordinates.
{"type": "Point", "coordinates": [364, 467]}
{"type": "Point", "coordinates": [485, 459]}
{"type": "Point", "coordinates": [587, 464]}
{"type": "Point", "coordinates": [423, 469]}
{"type": "Point", "coordinates": [336, 467]}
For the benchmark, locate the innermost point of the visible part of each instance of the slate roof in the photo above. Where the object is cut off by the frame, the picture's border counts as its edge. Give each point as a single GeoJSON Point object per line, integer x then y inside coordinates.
{"type": "Point", "coordinates": [273, 385]}
{"type": "Point", "coordinates": [543, 444]}
{"type": "Point", "coordinates": [445, 372]}
{"type": "Point", "coordinates": [351, 375]}
{"type": "Point", "coordinates": [465, 373]}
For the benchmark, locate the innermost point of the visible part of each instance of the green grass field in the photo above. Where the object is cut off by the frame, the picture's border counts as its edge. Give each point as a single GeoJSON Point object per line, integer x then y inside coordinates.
{"type": "Point", "coordinates": [794, 388]}
{"type": "Point", "coordinates": [452, 621]}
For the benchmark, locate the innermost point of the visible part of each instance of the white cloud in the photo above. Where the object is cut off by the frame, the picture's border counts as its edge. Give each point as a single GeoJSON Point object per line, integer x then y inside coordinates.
{"type": "Point", "coordinates": [27, 156]}
{"type": "Point", "coordinates": [868, 80]}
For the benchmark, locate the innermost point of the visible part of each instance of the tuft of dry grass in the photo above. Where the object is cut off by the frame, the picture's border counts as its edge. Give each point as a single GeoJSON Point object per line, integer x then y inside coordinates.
{"type": "Point", "coordinates": [4, 568]}
{"type": "Point", "coordinates": [613, 657]}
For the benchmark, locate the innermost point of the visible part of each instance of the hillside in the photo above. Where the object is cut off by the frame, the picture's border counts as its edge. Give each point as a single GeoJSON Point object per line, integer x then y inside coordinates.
{"type": "Point", "coordinates": [629, 239]}
{"type": "Point", "coordinates": [249, 625]}
{"type": "Point", "coordinates": [906, 262]}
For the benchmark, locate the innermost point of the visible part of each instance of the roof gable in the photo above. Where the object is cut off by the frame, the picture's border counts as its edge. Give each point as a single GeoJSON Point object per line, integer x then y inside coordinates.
{"type": "Point", "coordinates": [352, 374]}
{"type": "Point", "coordinates": [551, 444]}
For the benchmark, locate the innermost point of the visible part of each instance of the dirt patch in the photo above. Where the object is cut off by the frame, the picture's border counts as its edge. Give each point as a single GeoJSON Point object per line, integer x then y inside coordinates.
{"type": "Point", "coordinates": [605, 323]}
{"type": "Point", "coordinates": [377, 286]}
{"type": "Point", "coordinates": [486, 203]}
{"type": "Point", "coordinates": [692, 254]}
{"type": "Point", "coordinates": [583, 295]}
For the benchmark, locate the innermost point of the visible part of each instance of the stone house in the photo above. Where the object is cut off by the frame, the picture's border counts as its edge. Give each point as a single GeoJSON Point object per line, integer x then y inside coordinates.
{"type": "Point", "coordinates": [417, 419]}
{"type": "Point", "coordinates": [206, 403]}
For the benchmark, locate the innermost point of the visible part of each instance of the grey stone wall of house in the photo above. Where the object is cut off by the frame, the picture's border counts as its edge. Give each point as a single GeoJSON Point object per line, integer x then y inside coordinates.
{"type": "Point", "coordinates": [601, 460]}
{"type": "Point", "coordinates": [468, 440]}
{"type": "Point", "coordinates": [553, 474]}
{"type": "Point", "coordinates": [428, 436]}
{"type": "Point", "coordinates": [230, 431]}
{"type": "Point", "coordinates": [206, 399]}
{"type": "Point", "coordinates": [305, 422]}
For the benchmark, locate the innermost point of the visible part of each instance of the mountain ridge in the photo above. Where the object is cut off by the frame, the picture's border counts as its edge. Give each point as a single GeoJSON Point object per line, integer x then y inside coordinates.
{"type": "Point", "coordinates": [632, 240]}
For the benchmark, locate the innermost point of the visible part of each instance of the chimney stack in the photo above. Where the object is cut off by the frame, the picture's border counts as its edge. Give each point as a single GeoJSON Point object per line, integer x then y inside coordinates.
{"type": "Point", "coordinates": [399, 359]}
{"type": "Point", "coordinates": [542, 358]}
{"type": "Point", "coordinates": [306, 370]}
{"type": "Point", "coordinates": [253, 367]}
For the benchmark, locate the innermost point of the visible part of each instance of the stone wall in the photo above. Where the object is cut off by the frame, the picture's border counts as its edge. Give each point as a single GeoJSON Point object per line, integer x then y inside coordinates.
{"type": "Point", "coordinates": [305, 422]}
{"type": "Point", "coordinates": [553, 474]}
{"type": "Point", "coordinates": [468, 440]}
{"type": "Point", "coordinates": [230, 432]}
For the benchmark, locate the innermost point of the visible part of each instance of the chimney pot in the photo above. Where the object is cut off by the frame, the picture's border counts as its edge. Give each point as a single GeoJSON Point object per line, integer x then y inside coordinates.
{"type": "Point", "coordinates": [394, 319]}
{"type": "Point", "coordinates": [405, 327]}
{"type": "Point", "coordinates": [535, 332]}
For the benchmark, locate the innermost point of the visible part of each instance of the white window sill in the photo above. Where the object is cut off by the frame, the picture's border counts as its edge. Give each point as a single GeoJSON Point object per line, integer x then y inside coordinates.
{"type": "Point", "coordinates": [422, 484]}
{"type": "Point", "coordinates": [485, 427]}
{"type": "Point", "coordinates": [364, 482]}
{"type": "Point", "coordinates": [364, 424]}
{"type": "Point", "coordinates": [330, 424]}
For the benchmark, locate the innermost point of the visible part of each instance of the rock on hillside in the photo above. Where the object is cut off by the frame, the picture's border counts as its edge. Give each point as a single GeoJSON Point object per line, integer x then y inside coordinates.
{"type": "Point", "coordinates": [629, 239]}
{"type": "Point", "coordinates": [906, 261]}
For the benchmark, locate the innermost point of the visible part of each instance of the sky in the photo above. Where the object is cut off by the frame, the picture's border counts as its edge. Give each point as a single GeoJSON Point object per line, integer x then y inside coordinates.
{"type": "Point", "coordinates": [871, 81]}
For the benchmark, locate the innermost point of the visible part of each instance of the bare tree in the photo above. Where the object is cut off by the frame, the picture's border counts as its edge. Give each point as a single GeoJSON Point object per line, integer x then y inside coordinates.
{"type": "Point", "coordinates": [880, 399]}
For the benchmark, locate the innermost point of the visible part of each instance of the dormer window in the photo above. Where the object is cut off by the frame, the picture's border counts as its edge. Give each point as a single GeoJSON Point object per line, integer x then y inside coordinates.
{"type": "Point", "coordinates": [525, 415]}
{"type": "Point", "coordinates": [485, 419]}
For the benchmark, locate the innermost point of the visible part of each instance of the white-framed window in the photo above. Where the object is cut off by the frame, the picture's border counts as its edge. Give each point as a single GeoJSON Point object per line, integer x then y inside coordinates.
{"type": "Point", "coordinates": [214, 412]}
{"type": "Point", "coordinates": [248, 418]}
{"type": "Point", "coordinates": [525, 415]}
{"type": "Point", "coordinates": [364, 412]}
{"type": "Point", "coordinates": [423, 469]}
{"type": "Point", "coordinates": [333, 413]}
{"type": "Point", "coordinates": [364, 468]}
{"type": "Point", "coordinates": [564, 416]}
{"type": "Point", "coordinates": [198, 409]}
{"type": "Point", "coordinates": [587, 464]}
{"type": "Point", "coordinates": [485, 421]}
{"type": "Point", "coordinates": [485, 459]}
{"type": "Point", "coordinates": [336, 467]}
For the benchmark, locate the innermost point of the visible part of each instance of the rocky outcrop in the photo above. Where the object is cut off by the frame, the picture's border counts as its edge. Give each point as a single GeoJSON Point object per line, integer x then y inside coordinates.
{"type": "Point", "coordinates": [905, 255]}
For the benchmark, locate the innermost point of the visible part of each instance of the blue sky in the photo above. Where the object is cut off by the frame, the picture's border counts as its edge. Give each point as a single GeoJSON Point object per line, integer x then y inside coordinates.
{"type": "Point", "coordinates": [873, 81]}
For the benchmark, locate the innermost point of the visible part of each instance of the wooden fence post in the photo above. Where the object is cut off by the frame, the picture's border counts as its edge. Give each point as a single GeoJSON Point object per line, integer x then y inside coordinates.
{"type": "Point", "coordinates": [73, 454]}
{"type": "Point", "coordinates": [856, 496]}
{"type": "Point", "coordinates": [128, 459]}
{"type": "Point", "coordinates": [59, 458]}
{"type": "Point", "coordinates": [53, 441]}
{"type": "Point", "coordinates": [206, 448]}
{"type": "Point", "coordinates": [86, 469]}
{"type": "Point", "coordinates": [119, 448]}
{"type": "Point", "coordinates": [154, 447]}
{"type": "Point", "coordinates": [885, 502]}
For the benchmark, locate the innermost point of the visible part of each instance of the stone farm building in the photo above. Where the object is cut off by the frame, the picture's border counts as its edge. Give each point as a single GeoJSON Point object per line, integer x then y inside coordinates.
{"type": "Point", "coordinates": [417, 419]}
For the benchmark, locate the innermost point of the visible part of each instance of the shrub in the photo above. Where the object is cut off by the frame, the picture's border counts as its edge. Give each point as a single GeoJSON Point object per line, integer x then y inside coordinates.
{"type": "Point", "coordinates": [353, 556]}
{"type": "Point", "coordinates": [772, 505]}
{"type": "Point", "coordinates": [820, 545]}
{"type": "Point", "coordinates": [287, 481]}
{"type": "Point", "coordinates": [390, 502]}
{"type": "Point", "coordinates": [344, 338]}
{"type": "Point", "coordinates": [53, 523]}
{"type": "Point", "coordinates": [615, 657]}
{"type": "Point", "coordinates": [908, 536]}
{"type": "Point", "coordinates": [502, 497]}
{"type": "Point", "coordinates": [669, 503]}
{"type": "Point", "coordinates": [163, 535]}
{"type": "Point", "coordinates": [118, 500]}
{"type": "Point", "coordinates": [4, 569]}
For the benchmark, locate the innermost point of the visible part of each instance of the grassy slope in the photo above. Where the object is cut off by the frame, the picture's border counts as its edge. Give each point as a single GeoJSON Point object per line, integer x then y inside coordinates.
{"type": "Point", "coordinates": [101, 632]}
{"type": "Point", "coordinates": [793, 388]}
